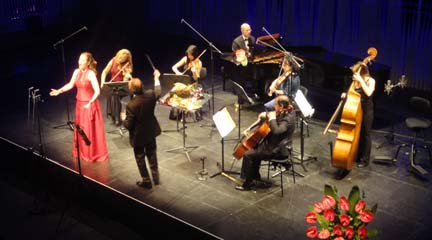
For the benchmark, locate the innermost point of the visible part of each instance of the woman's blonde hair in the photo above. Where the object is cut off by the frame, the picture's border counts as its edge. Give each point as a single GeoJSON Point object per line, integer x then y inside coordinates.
{"type": "Point", "coordinates": [124, 56]}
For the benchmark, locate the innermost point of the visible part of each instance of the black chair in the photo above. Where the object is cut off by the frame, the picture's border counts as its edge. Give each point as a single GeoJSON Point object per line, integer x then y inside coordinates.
{"type": "Point", "coordinates": [283, 162]}
{"type": "Point", "coordinates": [417, 125]}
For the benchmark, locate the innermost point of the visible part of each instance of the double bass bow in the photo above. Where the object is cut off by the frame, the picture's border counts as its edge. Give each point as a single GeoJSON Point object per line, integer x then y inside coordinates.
{"type": "Point", "coordinates": [347, 140]}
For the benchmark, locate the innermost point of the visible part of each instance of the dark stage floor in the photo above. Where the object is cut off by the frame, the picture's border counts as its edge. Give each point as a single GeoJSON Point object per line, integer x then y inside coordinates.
{"type": "Point", "coordinates": [213, 204]}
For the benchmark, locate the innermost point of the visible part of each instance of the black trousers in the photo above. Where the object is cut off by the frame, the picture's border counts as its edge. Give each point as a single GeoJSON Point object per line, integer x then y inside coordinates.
{"type": "Point", "coordinates": [141, 152]}
{"type": "Point", "coordinates": [365, 144]}
{"type": "Point", "coordinates": [252, 162]}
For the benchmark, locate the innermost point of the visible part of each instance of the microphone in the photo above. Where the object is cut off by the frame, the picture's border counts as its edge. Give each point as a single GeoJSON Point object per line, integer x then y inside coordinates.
{"type": "Point", "coordinates": [182, 20]}
{"type": "Point", "coordinates": [388, 87]}
{"type": "Point", "coordinates": [83, 135]}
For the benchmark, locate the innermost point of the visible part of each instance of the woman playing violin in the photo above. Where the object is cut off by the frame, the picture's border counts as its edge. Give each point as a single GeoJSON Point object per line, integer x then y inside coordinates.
{"type": "Point", "coordinates": [191, 64]}
{"type": "Point", "coordinates": [119, 68]}
{"type": "Point", "coordinates": [364, 84]}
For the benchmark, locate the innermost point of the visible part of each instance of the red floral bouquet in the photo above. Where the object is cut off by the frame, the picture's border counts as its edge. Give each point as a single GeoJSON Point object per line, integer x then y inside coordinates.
{"type": "Point", "coordinates": [340, 218]}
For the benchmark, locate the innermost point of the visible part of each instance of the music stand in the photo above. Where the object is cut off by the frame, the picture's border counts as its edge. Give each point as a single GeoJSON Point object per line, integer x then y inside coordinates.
{"type": "Point", "coordinates": [115, 89]}
{"type": "Point", "coordinates": [242, 98]}
{"type": "Point", "coordinates": [167, 83]}
{"type": "Point", "coordinates": [224, 125]}
{"type": "Point", "coordinates": [306, 112]}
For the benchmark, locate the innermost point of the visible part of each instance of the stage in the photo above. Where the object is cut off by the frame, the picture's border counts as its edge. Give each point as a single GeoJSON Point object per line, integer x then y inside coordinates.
{"type": "Point", "coordinates": [208, 207]}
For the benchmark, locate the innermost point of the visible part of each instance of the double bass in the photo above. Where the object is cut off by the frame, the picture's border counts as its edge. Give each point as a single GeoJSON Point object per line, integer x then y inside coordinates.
{"type": "Point", "coordinates": [347, 140]}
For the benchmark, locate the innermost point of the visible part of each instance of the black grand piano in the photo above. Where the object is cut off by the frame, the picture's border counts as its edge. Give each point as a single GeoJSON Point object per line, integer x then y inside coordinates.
{"type": "Point", "coordinates": [323, 69]}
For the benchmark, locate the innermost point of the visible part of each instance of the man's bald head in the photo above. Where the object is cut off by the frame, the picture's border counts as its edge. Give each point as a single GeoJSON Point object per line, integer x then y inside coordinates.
{"type": "Point", "coordinates": [135, 86]}
{"type": "Point", "coordinates": [245, 30]}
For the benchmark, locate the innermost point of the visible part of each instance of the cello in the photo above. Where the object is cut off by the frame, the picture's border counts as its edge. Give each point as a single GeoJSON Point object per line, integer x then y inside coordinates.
{"type": "Point", "coordinates": [252, 138]}
{"type": "Point", "coordinates": [347, 140]}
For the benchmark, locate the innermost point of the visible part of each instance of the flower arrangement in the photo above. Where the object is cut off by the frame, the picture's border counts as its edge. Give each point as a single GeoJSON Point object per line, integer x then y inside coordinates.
{"type": "Point", "coordinates": [340, 218]}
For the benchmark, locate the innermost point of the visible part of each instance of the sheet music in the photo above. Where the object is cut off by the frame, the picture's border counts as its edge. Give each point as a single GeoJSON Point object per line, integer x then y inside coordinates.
{"type": "Point", "coordinates": [223, 121]}
{"type": "Point", "coordinates": [305, 107]}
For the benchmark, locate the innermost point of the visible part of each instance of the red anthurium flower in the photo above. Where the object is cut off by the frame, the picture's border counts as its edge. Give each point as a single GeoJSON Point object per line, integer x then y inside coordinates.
{"type": "Point", "coordinates": [344, 219]}
{"type": "Point", "coordinates": [328, 202]}
{"type": "Point", "coordinates": [360, 206]}
{"type": "Point", "coordinates": [312, 232]}
{"type": "Point", "coordinates": [349, 232]}
{"type": "Point", "coordinates": [337, 230]}
{"type": "Point", "coordinates": [311, 217]}
{"type": "Point", "coordinates": [324, 234]}
{"type": "Point", "coordinates": [366, 216]}
{"type": "Point", "coordinates": [329, 215]}
{"type": "Point", "coordinates": [344, 204]}
{"type": "Point", "coordinates": [362, 232]}
{"type": "Point", "coordinates": [339, 238]}
{"type": "Point", "coordinates": [318, 207]}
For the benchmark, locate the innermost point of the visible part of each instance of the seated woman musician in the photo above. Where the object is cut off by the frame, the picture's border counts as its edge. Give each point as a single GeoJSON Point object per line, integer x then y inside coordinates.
{"type": "Point", "coordinates": [119, 68]}
{"type": "Point", "coordinates": [191, 63]}
{"type": "Point", "coordinates": [281, 122]}
{"type": "Point", "coordinates": [286, 84]}
{"type": "Point", "coordinates": [364, 84]}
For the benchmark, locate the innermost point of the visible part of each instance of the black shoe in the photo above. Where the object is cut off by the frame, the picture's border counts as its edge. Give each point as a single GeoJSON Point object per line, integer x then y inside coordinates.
{"type": "Point", "coordinates": [143, 184]}
{"type": "Point", "coordinates": [246, 186]}
{"type": "Point", "coordinates": [362, 164]}
{"type": "Point", "coordinates": [242, 188]}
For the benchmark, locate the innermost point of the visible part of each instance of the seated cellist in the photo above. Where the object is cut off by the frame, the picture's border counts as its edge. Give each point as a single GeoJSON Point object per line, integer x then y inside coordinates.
{"type": "Point", "coordinates": [282, 125]}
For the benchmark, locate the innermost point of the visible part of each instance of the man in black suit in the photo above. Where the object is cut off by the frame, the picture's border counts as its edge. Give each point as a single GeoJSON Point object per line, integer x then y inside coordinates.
{"type": "Point", "coordinates": [243, 73]}
{"type": "Point", "coordinates": [144, 128]}
{"type": "Point", "coordinates": [282, 126]}
{"type": "Point", "coordinates": [245, 41]}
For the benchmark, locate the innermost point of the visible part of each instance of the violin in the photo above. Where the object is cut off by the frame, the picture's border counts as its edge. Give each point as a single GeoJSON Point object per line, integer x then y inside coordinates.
{"type": "Point", "coordinates": [194, 64]}
{"type": "Point", "coordinates": [278, 81]}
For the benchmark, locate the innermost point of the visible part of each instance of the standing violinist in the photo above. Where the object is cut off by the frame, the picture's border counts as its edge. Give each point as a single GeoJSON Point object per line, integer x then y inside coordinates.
{"type": "Point", "coordinates": [190, 63]}
{"type": "Point", "coordinates": [119, 68]}
{"type": "Point", "coordinates": [364, 84]}
{"type": "Point", "coordinates": [282, 124]}
{"type": "Point", "coordinates": [286, 84]}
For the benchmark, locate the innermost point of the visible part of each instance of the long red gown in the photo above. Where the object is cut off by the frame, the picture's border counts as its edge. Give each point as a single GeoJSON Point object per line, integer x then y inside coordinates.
{"type": "Point", "coordinates": [90, 121]}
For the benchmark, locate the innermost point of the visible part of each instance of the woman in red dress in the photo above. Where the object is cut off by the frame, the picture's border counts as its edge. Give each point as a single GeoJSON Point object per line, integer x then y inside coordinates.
{"type": "Point", "coordinates": [88, 114]}
{"type": "Point", "coordinates": [120, 69]}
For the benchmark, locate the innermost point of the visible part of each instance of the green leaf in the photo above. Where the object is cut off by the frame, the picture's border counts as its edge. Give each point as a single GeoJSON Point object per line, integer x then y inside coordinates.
{"type": "Point", "coordinates": [322, 221]}
{"type": "Point", "coordinates": [353, 198]}
{"type": "Point", "coordinates": [331, 190]}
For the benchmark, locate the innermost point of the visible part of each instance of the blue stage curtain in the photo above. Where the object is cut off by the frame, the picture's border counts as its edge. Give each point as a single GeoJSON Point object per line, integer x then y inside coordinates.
{"type": "Point", "coordinates": [399, 29]}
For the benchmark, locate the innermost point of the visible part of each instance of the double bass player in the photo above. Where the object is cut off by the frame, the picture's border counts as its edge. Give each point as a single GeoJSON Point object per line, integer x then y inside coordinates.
{"type": "Point", "coordinates": [364, 84]}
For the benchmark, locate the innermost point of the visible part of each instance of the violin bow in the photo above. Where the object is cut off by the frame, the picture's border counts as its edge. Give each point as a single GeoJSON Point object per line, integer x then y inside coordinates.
{"type": "Point", "coordinates": [194, 59]}
{"type": "Point", "coordinates": [121, 70]}
{"type": "Point", "coordinates": [150, 61]}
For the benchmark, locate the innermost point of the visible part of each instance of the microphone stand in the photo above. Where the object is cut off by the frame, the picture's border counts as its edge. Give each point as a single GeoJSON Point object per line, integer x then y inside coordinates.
{"type": "Point", "coordinates": [77, 133]}
{"type": "Point", "coordinates": [69, 123]}
{"type": "Point", "coordinates": [212, 48]}
{"type": "Point", "coordinates": [295, 59]}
